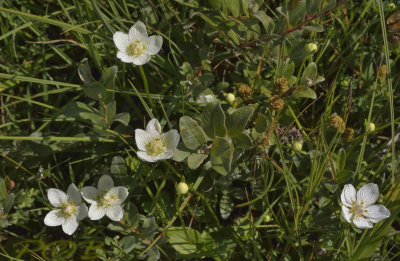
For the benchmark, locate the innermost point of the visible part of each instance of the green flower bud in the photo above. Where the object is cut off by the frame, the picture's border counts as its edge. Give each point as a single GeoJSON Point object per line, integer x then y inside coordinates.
{"type": "Point", "coordinates": [182, 188]}
{"type": "Point", "coordinates": [230, 98]}
{"type": "Point", "coordinates": [297, 146]}
{"type": "Point", "coordinates": [311, 48]}
{"type": "Point", "coordinates": [370, 127]}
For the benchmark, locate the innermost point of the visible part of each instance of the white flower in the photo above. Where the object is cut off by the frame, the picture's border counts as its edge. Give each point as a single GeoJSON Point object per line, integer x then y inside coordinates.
{"type": "Point", "coordinates": [153, 145]}
{"type": "Point", "coordinates": [70, 209]}
{"type": "Point", "coordinates": [358, 207]}
{"type": "Point", "coordinates": [136, 47]}
{"type": "Point", "coordinates": [105, 199]}
{"type": "Point", "coordinates": [204, 99]}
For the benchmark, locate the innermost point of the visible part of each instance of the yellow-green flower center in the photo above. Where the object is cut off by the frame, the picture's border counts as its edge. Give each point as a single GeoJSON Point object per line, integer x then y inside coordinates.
{"type": "Point", "coordinates": [358, 209]}
{"type": "Point", "coordinates": [68, 209]}
{"type": "Point", "coordinates": [155, 146]}
{"type": "Point", "coordinates": [135, 48]}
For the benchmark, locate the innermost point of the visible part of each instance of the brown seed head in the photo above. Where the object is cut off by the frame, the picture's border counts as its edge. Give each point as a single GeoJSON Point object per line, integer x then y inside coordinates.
{"type": "Point", "coordinates": [243, 90]}
{"type": "Point", "coordinates": [276, 102]}
{"type": "Point", "coordinates": [281, 85]}
{"type": "Point", "coordinates": [335, 121]}
{"type": "Point", "coordinates": [349, 134]}
{"type": "Point", "coordinates": [382, 73]}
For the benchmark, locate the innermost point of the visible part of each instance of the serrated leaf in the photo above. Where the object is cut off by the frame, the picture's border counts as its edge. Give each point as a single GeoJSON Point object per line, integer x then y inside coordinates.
{"type": "Point", "coordinates": [314, 28]}
{"type": "Point", "coordinates": [213, 120]}
{"type": "Point", "coordinates": [225, 206]}
{"type": "Point", "coordinates": [192, 134]}
{"type": "Point", "coordinates": [195, 159]}
{"type": "Point", "coordinates": [237, 121]}
{"type": "Point", "coordinates": [221, 155]}
{"type": "Point", "coordinates": [118, 166]}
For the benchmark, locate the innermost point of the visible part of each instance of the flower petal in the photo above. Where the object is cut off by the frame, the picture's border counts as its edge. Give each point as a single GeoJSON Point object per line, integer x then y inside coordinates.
{"type": "Point", "coordinates": [115, 212]}
{"type": "Point", "coordinates": [346, 213]}
{"type": "Point", "coordinates": [376, 213]}
{"type": "Point", "coordinates": [74, 195]}
{"type": "Point", "coordinates": [142, 138]}
{"type": "Point", "coordinates": [83, 211]}
{"type": "Point", "coordinates": [56, 197]}
{"type": "Point", "coordinates": [125, 57]}
{"type": "Point", "coordinates": [120, 193]}
{"type": "Point", "coordinates": [348, 195]}
{"type": "Point", "coordinates": [70, 225]}
{"type": "Point", "coordinates": [121, 40]}
{"type": "Point", "coordinates": [96, 212]}
{"type": "Point", "coordinates": [153, 44]}
{"type": "Point", "coordinates": [90, 194]}
{"type": "Point", "coordinates": [54, 218]}
{"type": "Point", "coordinates": [105, 183]}
{"type": "Point", "coordinates": [361, 222]}
{"type": "Point", "coordinates": [146, 157]}
{"type": "Point", "coordinates": [154, 128]}
{"type": "Point", "coordinates": [140, 59]}
{"type": "Point", "coordinates": [138, 31]}
{"type": "Point", "coordinates": [368, 194]}
{"type": "Point", "coordinates": [172, 138]}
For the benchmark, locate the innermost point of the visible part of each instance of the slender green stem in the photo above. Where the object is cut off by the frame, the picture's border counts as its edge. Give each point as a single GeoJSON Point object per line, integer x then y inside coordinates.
{"type": "Point", "coordinates": [146, 87]}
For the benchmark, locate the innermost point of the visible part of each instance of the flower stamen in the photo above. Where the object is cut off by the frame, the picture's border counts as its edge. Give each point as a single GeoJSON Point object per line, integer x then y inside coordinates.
{"type": "Point", "coordinates": [155, 146]}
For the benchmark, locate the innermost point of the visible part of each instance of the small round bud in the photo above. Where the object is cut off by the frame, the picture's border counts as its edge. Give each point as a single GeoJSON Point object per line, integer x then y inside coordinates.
{"type": "Point", "coordinates": [182, 188]}
{"type": "Point", "coordinates": [392, 6]}
{"type": "Point", "coordinates": [276, 102]}
{"type": "Point", "coordinates": [230, 97]}
{"type": "Point", "coordinates": [311, 48]}
{"type": "Point", "coordinates": [297, 146]}
{"type": "Point", "coordinates": [370, 127]}
{"type": "Point", "coordinates": [267, 219]}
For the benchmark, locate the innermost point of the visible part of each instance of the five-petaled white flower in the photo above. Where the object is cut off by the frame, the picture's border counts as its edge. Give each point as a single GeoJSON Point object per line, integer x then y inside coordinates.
{"type": "Point", "coordinates": [105, 199]}
{"type": "Point", "coordinates": [70, 210]}
{"type": "Point", "coordinates": [358, 207]}
{"type": "Point", "coordinates": [136, 47]}
{"type": "Point", "coordinates": [153, 144]}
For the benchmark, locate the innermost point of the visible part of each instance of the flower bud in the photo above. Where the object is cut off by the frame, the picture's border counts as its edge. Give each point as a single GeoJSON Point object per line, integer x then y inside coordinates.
{"type": "Point", "coordinates": [230, 98]}
{"type": "Point", "coordinates": [297, 146]}
{"type": "Point", "coordinates": [370, 127]}
{"type": "Point", "coordinates": [182, 188]}
{"type": "Point", "coordinates": [311, 48]}
{"type": "Point", "coordinates": [267, 219]}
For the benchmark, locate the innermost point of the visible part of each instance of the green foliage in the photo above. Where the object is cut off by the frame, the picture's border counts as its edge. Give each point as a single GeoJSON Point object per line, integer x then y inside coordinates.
{"type": "Point", "coordinates": [251, 196]}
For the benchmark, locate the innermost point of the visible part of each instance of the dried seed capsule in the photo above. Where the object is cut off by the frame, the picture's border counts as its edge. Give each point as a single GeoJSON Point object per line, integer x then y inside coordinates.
{"type": "Point", "coordinates": [281, 85]}
{"type": "Point", "coordinates": [244, 90]}
{"type": "Point", "coordinates": [349, 134]}
{"type": "Point", "coordinates": [335, 121]}
{"type": "Point", "coordinates": [276, 102]}
{"type": "Point", "coordinates": [382, 73]}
